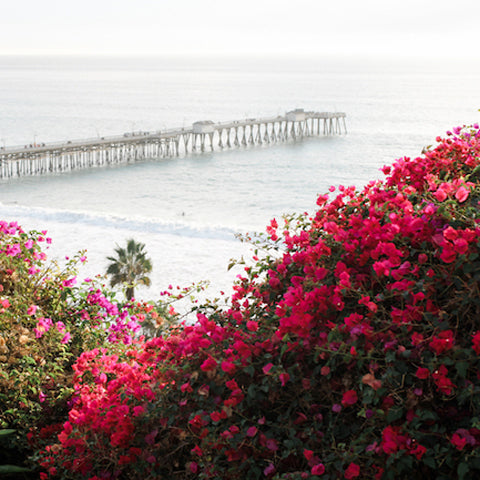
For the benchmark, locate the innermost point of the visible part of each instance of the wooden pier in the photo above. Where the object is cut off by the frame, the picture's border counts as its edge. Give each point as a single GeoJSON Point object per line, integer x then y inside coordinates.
{"type": "Point", "coordinates": [133, 146]}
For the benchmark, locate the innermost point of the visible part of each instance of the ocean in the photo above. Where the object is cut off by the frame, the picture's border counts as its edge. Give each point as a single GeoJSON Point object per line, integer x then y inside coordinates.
{"type": "Point", "coordinates": [188, 210]}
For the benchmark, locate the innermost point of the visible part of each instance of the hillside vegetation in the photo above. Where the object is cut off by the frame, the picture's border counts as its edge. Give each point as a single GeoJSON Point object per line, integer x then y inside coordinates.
{"type": "Point", "coordinates": [350, 348]}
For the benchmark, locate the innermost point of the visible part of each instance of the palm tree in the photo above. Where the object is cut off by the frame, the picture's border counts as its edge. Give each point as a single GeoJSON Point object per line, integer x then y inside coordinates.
{"type": "Point", "coordinates": [130, 267]}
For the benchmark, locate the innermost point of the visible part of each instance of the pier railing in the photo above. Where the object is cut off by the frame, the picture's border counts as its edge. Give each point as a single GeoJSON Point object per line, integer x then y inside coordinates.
{"type": "Point", "coordinates": [56, 157]}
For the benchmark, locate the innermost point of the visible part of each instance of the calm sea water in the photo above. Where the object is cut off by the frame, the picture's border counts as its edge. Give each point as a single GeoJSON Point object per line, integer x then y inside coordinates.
{"type": "Point", "coordinates": [187, 210]}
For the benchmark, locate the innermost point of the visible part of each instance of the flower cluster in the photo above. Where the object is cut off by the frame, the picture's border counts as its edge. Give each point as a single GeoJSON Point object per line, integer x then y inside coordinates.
{"type": "Point", "coordinates": [46, 322]}
{"type": "Point", "coordinates": [349, 350]}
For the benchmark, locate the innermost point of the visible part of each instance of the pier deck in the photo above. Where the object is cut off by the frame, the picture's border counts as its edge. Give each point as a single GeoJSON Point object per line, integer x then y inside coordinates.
{"type": "Point", "coordinates": [133, 146]}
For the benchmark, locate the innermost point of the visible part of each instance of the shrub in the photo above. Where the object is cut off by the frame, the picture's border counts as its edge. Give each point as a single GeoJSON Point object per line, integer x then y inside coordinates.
{"type": "Point", "coordinates": [350, 350]}
{"type": "Point", "coordinates": [46, 322]}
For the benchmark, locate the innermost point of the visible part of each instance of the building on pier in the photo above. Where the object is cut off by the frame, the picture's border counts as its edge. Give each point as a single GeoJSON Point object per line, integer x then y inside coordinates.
{"type": "Point", "coordinates": [297, 115]}
{"type": "Point", "coordinates": [204, 126]}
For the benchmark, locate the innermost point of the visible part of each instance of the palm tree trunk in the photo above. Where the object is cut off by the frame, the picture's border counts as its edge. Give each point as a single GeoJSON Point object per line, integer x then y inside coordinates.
{"type": "Point", "coordinates": [130, 293]}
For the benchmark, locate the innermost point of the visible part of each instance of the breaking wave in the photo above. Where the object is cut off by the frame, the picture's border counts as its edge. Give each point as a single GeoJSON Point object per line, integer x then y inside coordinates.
{"type": "Point", "coordinates": [13, 212]}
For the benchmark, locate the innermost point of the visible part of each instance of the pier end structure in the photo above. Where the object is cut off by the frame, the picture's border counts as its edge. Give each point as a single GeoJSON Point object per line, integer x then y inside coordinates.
{"type": "Point", "coordinates": [134, 146]}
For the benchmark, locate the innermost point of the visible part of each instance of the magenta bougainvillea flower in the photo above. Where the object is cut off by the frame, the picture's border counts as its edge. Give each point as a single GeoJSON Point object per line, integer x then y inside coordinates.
{"type": "Point", "coordinates": [349, 350]}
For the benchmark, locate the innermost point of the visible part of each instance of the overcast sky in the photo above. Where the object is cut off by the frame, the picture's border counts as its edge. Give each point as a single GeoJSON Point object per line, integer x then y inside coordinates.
{"type": "Point", "coordinates": [396, 27]}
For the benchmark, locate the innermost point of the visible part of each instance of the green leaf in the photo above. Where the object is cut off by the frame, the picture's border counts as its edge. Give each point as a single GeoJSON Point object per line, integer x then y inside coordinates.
{"type": "Point", "coordinates": [426, 415]}
{"type": "Point", "coordinates": [394, 414]}
{"type": "Point", "coordinates": [430, 462]}
{"type": "Point", "coordinates": [462, 368]}
{"type": "Point", "coordinates": [448, 361]}
{"type": "Point", "coordinates": [7, 431]}
{"type": "Point", "coordinates": [462, 470]}
{"type": "Point", "coordinates": [13, 469]}
{"type": "Point", "coordinates": [467, 267]}
{"type": "Point", "coordinates": [405, 463]}
{"type": "Point", "coordinates": [251, 392]}
{"type": "Point", "coordinates": [284, 348]}
{"type": "Point", "coordinates": [390, 356]}
{"type": "Point", "coordinates": [368, 395]}
{"type": "Point", "coordinates": [29, 360]}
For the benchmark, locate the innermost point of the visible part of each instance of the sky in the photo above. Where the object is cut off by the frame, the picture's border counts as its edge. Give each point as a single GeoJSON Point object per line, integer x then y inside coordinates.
{"type": "Point", "coordinates": [244, 27]}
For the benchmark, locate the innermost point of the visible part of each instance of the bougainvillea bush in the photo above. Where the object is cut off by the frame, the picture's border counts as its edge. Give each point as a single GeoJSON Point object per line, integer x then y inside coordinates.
{"type": "Point", "coordinates": [350, 350]}
{"type": "Point", "coordinates": [47, 320]}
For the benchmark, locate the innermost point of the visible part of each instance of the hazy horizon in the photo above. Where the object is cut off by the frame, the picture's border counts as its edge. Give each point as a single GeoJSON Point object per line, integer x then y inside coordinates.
{"type": "Point", "coordinates": [407, 28]}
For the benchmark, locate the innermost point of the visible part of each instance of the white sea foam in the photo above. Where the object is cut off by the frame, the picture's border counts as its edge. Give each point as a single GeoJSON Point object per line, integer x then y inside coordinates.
{"type": "Point", "coordinates": [136, 225]}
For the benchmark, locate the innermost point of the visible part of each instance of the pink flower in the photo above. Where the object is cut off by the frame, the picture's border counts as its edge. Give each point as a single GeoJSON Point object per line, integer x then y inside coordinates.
{"type": "Point", "coordinates": [70, 282]}
{"type": "Point", "coordinates": [231, 384]}
{"type": "Point", "coordinates": [461, 245]}
{"type": "Point", "coordinates": [422, 259]}
{"type": "Point", "coordinates": [422, 373]}
{"type": "Point", "coordinates": [60, 326]}
{"type": "Point", "coordinates": [269, 470]}
{"type": "Point", "coordinates": [419, 451]}
{"type": "Point", "coordinates": [251, 432]}
{"type": "Point", "coordinates": [443, 383]}
{"type": "Point", "coordinates": [308, 454]}
{"type": "Point", "coordinates": [353, 471]}
{"type": "Point", "coordinates": [349, 398]}
{"type": "Point", "coordinates": [32, 309]}
{"type": "Point", "coordinates": [150, 437]}
{"type": "Point", "coordinates": [252, 326]}
{"type": "Point", "coordinates": [461, 194]}
{"type": "Point", "coordinates": [417, 338]}
{"type": "Point", "coordinates": [272, 445]}
{"type": "Point", "coordinates": [284, 378]}
{"type": "Point", "coordinates": [325, 370]}
{"type": "Point", "coordinates": [228, 367]}
{"type": "Point", "coordinates": [13, 250]}
{"type": "Point", "coordinates": [318, 469]}
{"type": "Point", "coordinates": [43, 326]}
{"type": "Point", "coordinates": [266, 369]}
{"type": "Point", "coordinates": [476, 342]}
{"type": "Point", "coordinates": [458, 441]}
{"type": "Point", "coordinates": [450, 234]}
{"type": "Point", "coordinates": [217, 416]}
{"type": "Point", "coordinates": [66, 338]}
{"type": "Point", "coordinates": [448, 254]}
{"type": "Point", "coordinates": [440, 195]}
{"type": "Point", "coordinates": [368, 303]}
{"type": "Point", "coordinates": [197, 450]}
{"type": "Point", "coordinates": [209, 364]}
{"type": "Point", "coordinates": [138, 410]}
{"type": "Point", "coordinates": [443, 342]}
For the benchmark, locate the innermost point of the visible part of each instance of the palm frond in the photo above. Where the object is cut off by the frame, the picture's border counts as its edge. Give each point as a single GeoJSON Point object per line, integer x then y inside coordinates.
{"type": "Point", "coordinates": [129, 267]}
